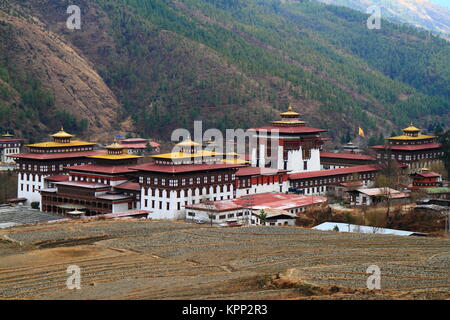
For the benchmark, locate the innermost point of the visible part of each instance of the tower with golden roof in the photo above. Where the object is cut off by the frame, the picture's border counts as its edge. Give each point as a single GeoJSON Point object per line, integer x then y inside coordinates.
{"type": "Point", "coordinates": [287, 144]}
{"type": "Point", "coordinates": [49, 158]}
{"type": "Point", "coordinates": [412, 148]}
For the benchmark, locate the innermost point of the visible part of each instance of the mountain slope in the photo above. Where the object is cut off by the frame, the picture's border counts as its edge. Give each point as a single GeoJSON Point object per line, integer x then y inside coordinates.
{"type": "Point", "coordinates": [236, 63]}
{"type": "Point", "coordinates": [49, 82]}
{"type": "Point", "coordinates": [420, 13]}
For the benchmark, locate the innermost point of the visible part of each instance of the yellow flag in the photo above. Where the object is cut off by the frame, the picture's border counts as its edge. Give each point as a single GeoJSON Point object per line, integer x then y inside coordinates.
{"type": "Point", "coordinates": [361, 132]}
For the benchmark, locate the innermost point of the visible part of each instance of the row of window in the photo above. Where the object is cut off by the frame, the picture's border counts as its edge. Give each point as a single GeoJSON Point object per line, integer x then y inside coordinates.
{"type": "Point", "coordinates": [400, 157]}
{"type": "Point", "coordinates": [9, 145]}
{"type": "Point", "coordinates": [184, 193]}
{"type": "Point", "coordinates": [27, 187]}
{"type": "Point", "coordinates": [196, 160]}
{"type": "Point", "coordinates": [178, 205]}
{"type": "Point", "coordinates": [44, 168]}
{"type": "Point", "coordinates": [365, 176]}
{"type": "Point", "coordinates": [30, 177]}
{"type": "Point", "coordinates": [80, 202]}
{"type": "Point", "coordinates": [187, 181]}
{"type": "Point", "coordinates": [247, 182]}
{"type": "Point", "coordinates": [11, 150]}
{"type": "Point", "coordinates": [52, 150]}
{"type": "Point", "coordinates": [223, 216]}
{"type": "Point", "coordinates": [411, 142]}
{"type": "Point", "coordinates": [87, 179]}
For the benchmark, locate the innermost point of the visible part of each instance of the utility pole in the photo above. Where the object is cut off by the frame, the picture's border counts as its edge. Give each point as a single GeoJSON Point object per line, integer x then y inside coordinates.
{"type": "Point", "coordinates": [248, 204]}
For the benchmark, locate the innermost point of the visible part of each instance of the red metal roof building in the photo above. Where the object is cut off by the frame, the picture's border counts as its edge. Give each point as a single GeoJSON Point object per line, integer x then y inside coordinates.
{"type": "Point", "coordinates": [135, 145]}
{"type": "Point", "coordinates": [238, 210]}
{"type": "Point", "coordinates": [425, 179]}
{"type": "Point", "coordinates": [320, 182]}
{"type": "Point", "coordinates": [331, 160]}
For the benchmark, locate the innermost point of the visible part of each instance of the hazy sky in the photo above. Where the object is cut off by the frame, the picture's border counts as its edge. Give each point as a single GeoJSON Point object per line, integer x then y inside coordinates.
{"type": "Point", "coordinates": [444, 3]}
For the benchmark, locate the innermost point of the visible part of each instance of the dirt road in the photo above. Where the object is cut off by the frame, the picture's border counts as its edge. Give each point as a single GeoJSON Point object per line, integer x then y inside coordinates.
{"type": "Point", "coordinates": [126, 259]}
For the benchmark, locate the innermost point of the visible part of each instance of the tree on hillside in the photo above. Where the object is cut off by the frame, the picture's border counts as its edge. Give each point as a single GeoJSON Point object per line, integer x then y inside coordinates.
{"type": "Point", "coordinates": [386, 182]}
{"type": "Point", "coordinates": [444, 139]}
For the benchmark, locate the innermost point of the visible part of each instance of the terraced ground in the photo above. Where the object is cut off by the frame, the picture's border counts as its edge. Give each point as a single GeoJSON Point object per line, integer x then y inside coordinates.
{"type": "Point", "coordinates": [141, 259]}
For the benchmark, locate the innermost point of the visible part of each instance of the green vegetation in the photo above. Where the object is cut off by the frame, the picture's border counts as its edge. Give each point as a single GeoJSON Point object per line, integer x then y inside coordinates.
{"type": "Point", "coordinates": [315, 53]}
{"type": "Point", "coordinates": [24, 102]}
{"type": "Point", "coordinates": [236, 63]}
{"type": "Point", "coordinates": [445, 140]}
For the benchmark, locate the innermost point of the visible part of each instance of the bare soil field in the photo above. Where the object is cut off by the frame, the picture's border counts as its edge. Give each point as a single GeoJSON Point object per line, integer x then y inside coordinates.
{"type": "Point", "coordinates": [141, 259]}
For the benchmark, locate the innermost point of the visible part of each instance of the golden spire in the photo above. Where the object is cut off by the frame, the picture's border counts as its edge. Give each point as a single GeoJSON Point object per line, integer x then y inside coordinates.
{"type": "Point", "coordinates": [115, 145]}
{"type": "Point", "coordinates": [411, 128]}
{"type": "Point", "coordinates": [7, 134]}
{"type": "Point", "coordinates": [62, 134]}
{"type": "Point", "coordinates": [290, 113]}
{"type": "Point", "coordinates": [188, 143]}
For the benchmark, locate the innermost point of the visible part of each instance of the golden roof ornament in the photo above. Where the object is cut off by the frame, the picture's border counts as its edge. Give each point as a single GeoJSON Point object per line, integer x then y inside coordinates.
{"type": "Point", "coordinates": [62, 134]}
{"type": "Point", "coordinates": [115, 145]}
{"type": "Point", "coordinates": [188, 143]}
{"type": "Point", "coordinates": [411, 128]}
{"type": "Point", "coordinates": [290, 112]}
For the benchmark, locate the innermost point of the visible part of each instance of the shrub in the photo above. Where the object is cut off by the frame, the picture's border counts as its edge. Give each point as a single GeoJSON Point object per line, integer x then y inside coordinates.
{"type": "Point", "coordinates": [35, 205]}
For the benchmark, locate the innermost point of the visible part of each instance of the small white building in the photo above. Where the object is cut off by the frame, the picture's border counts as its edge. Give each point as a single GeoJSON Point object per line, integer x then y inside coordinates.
{"type": "Point", "coordinates": [277, 217]}
{"type": "Point", "coordinates": [373, 196]}
{"type": "Point", "coordinates": [9, 146]}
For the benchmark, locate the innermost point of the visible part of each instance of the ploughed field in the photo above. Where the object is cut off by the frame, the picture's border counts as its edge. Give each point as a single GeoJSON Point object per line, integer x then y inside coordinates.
{"type": "Point", "coordinates": [141, 259]}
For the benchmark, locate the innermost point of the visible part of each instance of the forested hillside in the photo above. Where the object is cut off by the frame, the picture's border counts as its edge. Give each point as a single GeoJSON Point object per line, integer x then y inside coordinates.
{"type": "Point", "coordinates": [425, 14]}
{"type": "Point", "coordinates": [236, 63]}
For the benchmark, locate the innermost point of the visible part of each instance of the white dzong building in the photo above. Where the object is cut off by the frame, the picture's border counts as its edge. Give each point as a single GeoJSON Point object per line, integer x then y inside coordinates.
{"type": "Point", "coordinates": [288, 144]}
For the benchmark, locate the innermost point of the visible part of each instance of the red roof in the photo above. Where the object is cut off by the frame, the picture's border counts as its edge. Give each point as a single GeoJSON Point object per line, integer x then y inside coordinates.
{"type": "Point", "coordinates": [349, 156]}
{"type": "Point", "coordinates": [411, 147]}
{"type": "Point", "coordinates": [294, 130]}
{"type": "Point", "coordinates": [102, 169]}
{"type": "Point", "coordinates": [155, 144]}
{"type": "Point", "coordinates": [333, 172]}
{"type": "Point", "coordinates": [83, 184]}
{"type": "Point", "coordinates": [58, 155]}
{"type": "Point", "coordinates": [269, 200]}
{"type": "Point", "coordinates": [184, 167]}
{"type": "Point", "coordinates": [135, 146]}
{"type": "Point", "coordinates": [427, 174]}
{"type": "Point", "coordinates": [10, 140]}
{"type": "Point", "coordinates": [351, 184]}
{"type": "Point", "coordinates": [255, 171]}
{"type": "Point", "coordinates": [129, 186]}
{"type": "Point", "coordinates": [58, 178]}
{"type": "Point", "coordinates": [134, 140]}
